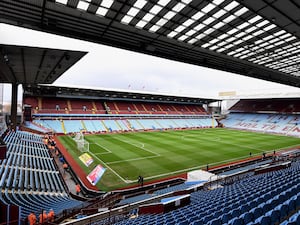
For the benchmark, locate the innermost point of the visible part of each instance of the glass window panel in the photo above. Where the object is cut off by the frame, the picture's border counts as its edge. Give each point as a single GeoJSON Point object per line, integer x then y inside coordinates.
{"type": "Point", "coordinates": [199, 27]}
{"type": "Point", "coordinates": [247, 38]}
{"type": "Point", "coordinates": [294, 48]}
{"type": "Point", "coordinates": [231, 39]}
{"type": "Point", "coordinates": [210, 30]}
{"type": "Point", "coordinates": [198, 15]}
{"type": "Point", "coordinates": [141, 24]}
{"type": "Point", "coordinates": [218, 2]}
{"type": "Point", "coordinates": [107, 3]}
{"type": "Point", "coordinates": [180, 28]}
{"type": "Point", "coordinates": [140, 3]}
{"type": "Point", "coordinates": [161, 22]}
{"type": "Point", "coordinates": [218, 25]}
{"type": "Point", "coordinates": [264, 44]}
{"type": "Point", "coordinates": [258, 32]}
{"type": "Point", "coordinates": [269, 27]}
{"type": "Point", "coordinates": [232, 31]}
{"type": "Point", "coordinates": [274, 40]}
{"type": "Point", "coordinates": [250, 29]}
{"type": "Point", "coordinates": [221, 49]}
{"type": "Point", "coordinates": [229, 19]}
{"type": "Point", "coordinates": [231, 53]}
{"type": "Point", "coordinates": [231, 5]}
{"type": "Point", "coordinates": [186, 1]}
{"type": "Point", "coordinates": [285, 36]}
{"type": "Point", "coordinates": [213, 41]}
{"type": "Point", "coordinates": [163, 2]}
{"type": "Point", "coordinates": [243, 25]}
{"type": "Point", "coordinates": [192, 41]}
{"type": "Point", "coordinates": [279, 33]}
{"type": "Point", "coordinates": [222, 43]}
{"type": "Point", "coordinates": [237, 42]}
{"type": "Point", "coordinates": [290, 39]}
{"type": "Point", "coordinates": [178, 7]}
{"type": "Point", "coordinates": [148, 17]}
{"type": "Point", "coordinates": [261, 24]}
{"type": "Point", "coordinates": [191, 32]}
{"type": "Point", "coordinates": [154, 28]}
{"type": "Point", "coordinates": [188, 22]}
{"type": "Point", "coordinates": [269, 46]}
{"type": "Point", "coordinates": [62, 1]}
{"type": "Point", "coordinates": [169, 15]}
{"type": "Point", "coordinates": [220, 13]}
{"type": "Point", "coordinates": [246, 51]}
{"type": "Point", "coordinates": [241, 11]}
{"type": "Point", "coordinates": [200, 36]}
{"type": "Point", "coordinates": [172, 34]}
{"type": "Point", "coordinates": [126, 19]}
{"type": "Point", "coordinates": [243, 56]}
{"type": "Point", "coordinates": [182, 38]}
{"type": "Point", "coordinates": [208, 8]}
{"type": "Point", "coordinates": [155, 9]}
{"type": "Point", "coordinates": [229, 46]}
{"type": "Point", "coordinates": [102, 11]}
{"type": "Point", "coordinates": [208, 20]}
{"type": "Point", "coordinates": [133, 11]}
{"type": "Point", "coordinates": [254, 19]}
{"type": "Point", "coordinates": [240, 34]}
{"type": "Point", "coordinates": [213, 47]}
{"type": "Point", "coordinates": [279, 43]}
{"type": "Point", "coordinates": [223, 36]}
{"type": "Point", "coordinates": [205, 45]}
{"type": "Point", "coordinates": [267, 38]}
{"type": "Point", "coordinates": [83, 5]}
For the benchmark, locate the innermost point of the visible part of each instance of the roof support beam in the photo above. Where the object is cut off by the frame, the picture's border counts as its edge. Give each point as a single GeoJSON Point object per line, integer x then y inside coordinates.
{"type": "Point", "coordinates": [23, 65]}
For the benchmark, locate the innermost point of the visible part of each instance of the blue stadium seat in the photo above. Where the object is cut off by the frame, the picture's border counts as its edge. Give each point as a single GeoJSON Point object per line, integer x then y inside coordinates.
{"type": "Point", "coordinates": [295, 218]}
{"type": "Point", "coordinates": [247, 217]}
{"type": "Point", "coordinates": [236, 221]}
{"type": "Point", "coordinates": [215, 221]}
{"type": "Point", "coordinates": [263, 220]}
{"type": "Point", "coordinates": [197, 222]}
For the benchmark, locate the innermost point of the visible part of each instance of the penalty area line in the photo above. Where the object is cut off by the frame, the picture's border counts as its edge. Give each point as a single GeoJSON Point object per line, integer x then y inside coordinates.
{"type": "Point", "coordinates": [106, 149]}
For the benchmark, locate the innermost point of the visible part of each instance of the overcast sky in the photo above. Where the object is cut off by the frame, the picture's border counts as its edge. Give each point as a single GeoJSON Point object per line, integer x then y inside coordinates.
{"type": "Point", "coordinates": [107, 67]}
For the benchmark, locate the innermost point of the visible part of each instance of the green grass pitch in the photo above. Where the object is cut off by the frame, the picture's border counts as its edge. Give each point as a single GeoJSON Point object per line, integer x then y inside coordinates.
{"type": "Point", "coordinates": [165, 153]}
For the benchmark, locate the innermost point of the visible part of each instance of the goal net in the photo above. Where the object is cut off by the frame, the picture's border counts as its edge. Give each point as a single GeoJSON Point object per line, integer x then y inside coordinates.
{"type": "Point", "coordinates": [82, 144]}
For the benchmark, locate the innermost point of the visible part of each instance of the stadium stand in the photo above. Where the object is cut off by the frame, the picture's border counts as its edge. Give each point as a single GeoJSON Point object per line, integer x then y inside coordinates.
{"type": "Point", "coordinates": [265, 115]}
{"type": "Point", "coordinates": [268, 198]}
{"type": "Point", "coordinates": [43, 105]}
{"type": "Point", "coordinates": [112, 116]}
{"type": "Point", "coordinates": [29, 178]}
{"type": "Point", "coordinates": [116, 125]}
{"type": "Point", "coordinates": [267, 105]}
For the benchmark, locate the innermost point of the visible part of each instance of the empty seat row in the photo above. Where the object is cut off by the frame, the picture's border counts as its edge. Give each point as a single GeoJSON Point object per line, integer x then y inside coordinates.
{"type": "Point", "coordinates": [260, 199]}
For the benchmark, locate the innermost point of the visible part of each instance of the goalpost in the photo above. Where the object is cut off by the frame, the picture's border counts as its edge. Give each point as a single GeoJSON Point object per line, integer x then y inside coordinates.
{"type": "Point", "coordinates": [82, 145]}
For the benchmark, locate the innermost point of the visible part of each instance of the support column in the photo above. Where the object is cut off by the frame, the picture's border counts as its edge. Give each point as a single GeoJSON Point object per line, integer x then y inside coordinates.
{"type": "Point", "coordinates": [14, 103]}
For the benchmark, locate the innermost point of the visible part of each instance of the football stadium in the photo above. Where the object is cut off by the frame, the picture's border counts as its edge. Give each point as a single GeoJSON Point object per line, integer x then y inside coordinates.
{"type": "Point", "coordinates": [98, 156]}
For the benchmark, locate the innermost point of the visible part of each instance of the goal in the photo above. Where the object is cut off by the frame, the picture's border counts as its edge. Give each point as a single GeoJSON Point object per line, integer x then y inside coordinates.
{"type": "Point", "coordinates": [82, 145]}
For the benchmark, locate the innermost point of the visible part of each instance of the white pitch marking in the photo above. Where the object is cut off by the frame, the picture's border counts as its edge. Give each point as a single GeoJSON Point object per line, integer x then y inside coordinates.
{"type": "Point", "coordinates": [125, 181]}
{"type": "Point", "coordinates": [106, 149]}
{"type": "Point", "coordinates": [143, 146]}
{"type": "Point", "coordinates": [129, 160]}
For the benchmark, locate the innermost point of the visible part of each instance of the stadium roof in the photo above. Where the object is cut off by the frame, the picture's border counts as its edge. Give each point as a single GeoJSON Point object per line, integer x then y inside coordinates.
{"type": "Point", "coordinates": [114, 95]}
{"type": "Point", "coordinates": [30, 65]}
{"type": "Point", "coordinates": [254, 38]}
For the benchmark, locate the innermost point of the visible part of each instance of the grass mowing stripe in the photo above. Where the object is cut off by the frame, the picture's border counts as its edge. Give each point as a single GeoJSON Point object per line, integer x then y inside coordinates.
{"type": "Point", "coordinates": [176, 151]}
